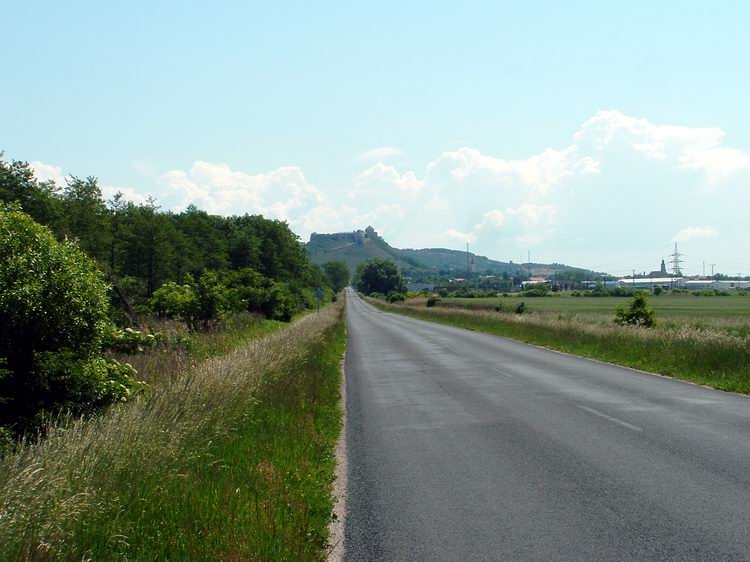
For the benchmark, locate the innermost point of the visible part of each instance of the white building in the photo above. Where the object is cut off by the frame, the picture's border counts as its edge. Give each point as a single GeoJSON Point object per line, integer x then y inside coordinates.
{"type": "Point", "coordinates": [649, 282]}
{"type": "Point", "coordinates": [698, 284]}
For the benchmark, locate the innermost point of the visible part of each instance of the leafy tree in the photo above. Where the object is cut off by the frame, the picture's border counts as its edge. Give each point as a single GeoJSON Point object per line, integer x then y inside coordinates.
{"type": "Point", "coordinates": [199, 304]}
{"type": "Point", "coordinates": [379, 276]}
{"type": "Point", "coordinates": [638, 313]}
{"type": "Point", "coordinates": [53, 318]}
{"type": "Point", "coordinates": [338, 274]}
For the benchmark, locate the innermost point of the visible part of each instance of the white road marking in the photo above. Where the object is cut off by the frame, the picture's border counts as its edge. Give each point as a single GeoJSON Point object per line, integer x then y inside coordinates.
{"type": "Point", "coordinates": [610, 418]}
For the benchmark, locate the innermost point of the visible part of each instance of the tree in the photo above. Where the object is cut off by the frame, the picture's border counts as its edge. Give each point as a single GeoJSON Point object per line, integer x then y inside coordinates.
{"type": "Point", "coordinates": [638, 313]}
{"type": "Point", "coordinates": [38, 199]}
{"type": "Point", "coordinates": [379, 276]}
{"type": "Point", "coordinates": [53, 319]}
{"type": "Point", "coordinates": [87, 218]}
{"type": "Point", "coordinates": [338, 274]}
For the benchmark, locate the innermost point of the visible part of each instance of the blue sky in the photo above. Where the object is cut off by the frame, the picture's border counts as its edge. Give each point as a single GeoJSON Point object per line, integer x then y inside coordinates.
{"type": "Point", "coordinates": [590, 133]}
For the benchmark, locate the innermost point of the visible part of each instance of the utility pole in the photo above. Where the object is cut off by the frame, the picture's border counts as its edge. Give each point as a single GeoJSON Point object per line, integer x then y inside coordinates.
{"type": "Point", "coordinates": [704, 268]}
{"type": "Point", "coordinates": [467, 264]}
{"type": "Point", "coordinates": [712, 268]}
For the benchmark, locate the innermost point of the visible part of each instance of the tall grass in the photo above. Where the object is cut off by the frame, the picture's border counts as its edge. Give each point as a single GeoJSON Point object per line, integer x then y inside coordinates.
{"type": "Point", "coordinates": [231, 461]}
{"type": "Point", "coordinates": [701, 352]}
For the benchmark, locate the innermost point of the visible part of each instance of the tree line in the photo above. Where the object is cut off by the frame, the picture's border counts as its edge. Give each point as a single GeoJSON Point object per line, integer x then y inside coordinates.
{"type": "Point", "coordinates": [140, 247]}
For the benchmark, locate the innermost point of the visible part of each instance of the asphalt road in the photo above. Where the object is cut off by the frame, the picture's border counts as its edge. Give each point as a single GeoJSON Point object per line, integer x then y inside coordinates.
{"type": "Point", "coordinates": [466, 446]}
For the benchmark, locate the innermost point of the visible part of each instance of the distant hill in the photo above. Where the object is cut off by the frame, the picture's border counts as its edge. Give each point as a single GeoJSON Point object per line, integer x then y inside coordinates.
{"type": "Point", "coordinates": [359, 246]}
{"type": "Point", "coordinates": [356, 247]}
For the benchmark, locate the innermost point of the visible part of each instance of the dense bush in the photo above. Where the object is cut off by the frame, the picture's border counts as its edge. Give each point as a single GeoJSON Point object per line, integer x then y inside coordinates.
{"type": "Point", "coordinates": [536, 290]}
{"type": "Point", "coordinates": [600, 290]}
{"type": "Point", "coordinates": [521, 308]}
{"type": "Point", "coordinates": [53, 321]}
{"type": "Point", "coordinates": [395, 296]}
{"type": "Point", "coordinates": [637, 313]}
{"type": "Point", "coordinates": [658, 290]}
{"type": "Point", "coordinates": [432, 301]}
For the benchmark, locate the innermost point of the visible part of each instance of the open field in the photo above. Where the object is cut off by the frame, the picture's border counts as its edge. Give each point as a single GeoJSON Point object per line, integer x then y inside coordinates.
{"type": "Point", "coordinates": [665, 305]}
{"type": "Point", "coordinates": [711, 350]}
{"type": "Point", "coordinates": [230, 460]}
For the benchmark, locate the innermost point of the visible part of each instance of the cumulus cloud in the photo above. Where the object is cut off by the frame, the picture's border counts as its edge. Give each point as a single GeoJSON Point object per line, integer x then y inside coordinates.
{"type": "Point", "coordinates": [46, 172]}
{"type": "Point", "coordinates": [693, 232]}
{"type": "Point", "coordinates": [280, 193]}
{"type": "Point", "coordinates": [380, 177]}
{"type": "Point", "coordinates": [465, 237]}
{"type": "Point", "coordinates": [689, 148]}
{"type": "Point", "coordinates": [380, 153]}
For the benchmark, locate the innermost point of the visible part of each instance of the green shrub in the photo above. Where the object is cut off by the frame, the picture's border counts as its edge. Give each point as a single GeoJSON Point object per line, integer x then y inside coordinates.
{"type": "Point", "coordinates": [638, 313]}
{"type": "Point", "coordinates": [499, 307]}
{"type": "Point", "coordinates": [432, 301]}
{"type": "Point", "coordinates": [53, 321]}
{"type": "Point", "coordinates": [536, 290]}
{"type": "Point", "coordinates": [521, 308]}
{"type": "Point", "coordinates": [658, 290]}
{"type": "Point", "coordinates": [396, 296]}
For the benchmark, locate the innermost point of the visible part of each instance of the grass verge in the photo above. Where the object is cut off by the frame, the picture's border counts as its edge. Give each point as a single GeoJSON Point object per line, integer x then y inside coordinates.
{"type": "Point", "coordinates": [713, 358]}
{"type": "Point", "coordinates": [231, 461]}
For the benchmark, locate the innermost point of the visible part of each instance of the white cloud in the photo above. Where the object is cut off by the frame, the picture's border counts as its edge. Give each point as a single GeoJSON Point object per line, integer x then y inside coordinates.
{"type": "Point", "coordinates": [689, 148]}
{"type": "Point", "coordinates": [533, 215]}
{"type": "Point", "coordinates": [281, 193]}
{"type": "Point", "coordinates": [46, 172]}
{"type": "Point", "coordinates": [693, 232]}
{"type": "Point", "coordinates": [465, 237]}
{"type": "Point", "coordinates": [380, 153]}
{"type": "Point", "coordinates": [380, 177]}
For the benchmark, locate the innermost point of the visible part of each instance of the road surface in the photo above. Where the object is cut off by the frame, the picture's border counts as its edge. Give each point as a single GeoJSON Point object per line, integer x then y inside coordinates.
{"type": "Point", "coordinates": [466, 446]}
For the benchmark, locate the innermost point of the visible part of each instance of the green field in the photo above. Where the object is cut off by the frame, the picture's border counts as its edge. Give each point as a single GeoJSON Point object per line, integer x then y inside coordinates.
{"type": "Point", "coordinates": [665, 305]}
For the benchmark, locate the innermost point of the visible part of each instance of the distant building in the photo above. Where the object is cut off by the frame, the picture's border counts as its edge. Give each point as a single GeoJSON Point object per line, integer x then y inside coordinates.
{"type": "Point", "coordinates": [649, 282]}
{"type": "Point", "coordinates": [723, 284]}
{"type": "Point", "coordinates": [534, 281]}
{"type": "Point", "coordinates": [661, 272]}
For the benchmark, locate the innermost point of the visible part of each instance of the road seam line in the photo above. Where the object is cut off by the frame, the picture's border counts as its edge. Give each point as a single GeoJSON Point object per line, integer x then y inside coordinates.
{"type": "Point", "coordinates": [610, 418]}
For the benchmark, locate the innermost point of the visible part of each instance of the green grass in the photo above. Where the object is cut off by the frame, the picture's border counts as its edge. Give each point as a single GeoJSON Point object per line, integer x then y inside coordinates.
{"type": "Point", "coordinates": [717, 357]}
{"type": "Point", "coordinates": [233, 461]}
{"type": "Point", "coordinates": [665, 305]}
